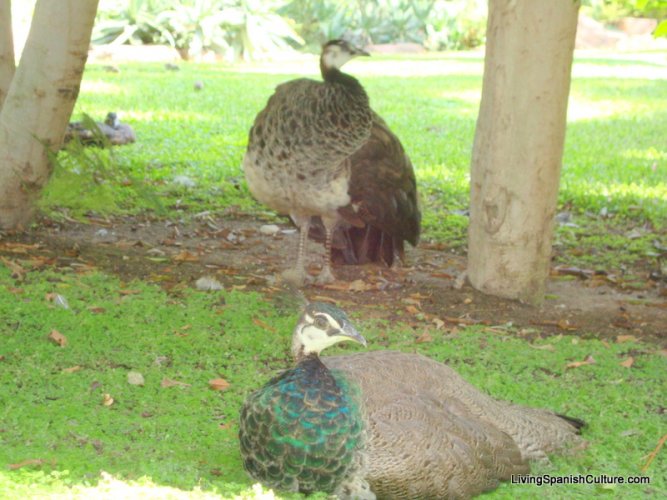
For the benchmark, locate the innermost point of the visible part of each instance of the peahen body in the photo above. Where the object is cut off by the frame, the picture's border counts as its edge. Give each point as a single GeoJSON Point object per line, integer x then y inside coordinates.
{"type": "Point", "coordinates": [318, 153]}
{"type": "Point", "coordinates": [386, 424]}
{"type": "Point", "coordinates": [112, 131]}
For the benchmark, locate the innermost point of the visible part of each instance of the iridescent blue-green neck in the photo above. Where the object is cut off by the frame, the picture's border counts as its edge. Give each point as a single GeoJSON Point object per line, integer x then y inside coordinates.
{"type": "Point", "coordinates": [301, 431]}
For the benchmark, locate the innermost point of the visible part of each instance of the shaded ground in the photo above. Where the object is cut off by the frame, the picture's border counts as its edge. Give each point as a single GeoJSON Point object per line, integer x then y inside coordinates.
{"type": "Point", "coordinates": [235, 252]}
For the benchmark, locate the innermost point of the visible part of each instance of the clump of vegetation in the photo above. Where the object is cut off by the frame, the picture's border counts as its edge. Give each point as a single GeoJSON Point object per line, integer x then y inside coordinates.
{"type": "Point", "coordinates": [235, 29]}
{"type": "Point", "coordinates": [232, 29]}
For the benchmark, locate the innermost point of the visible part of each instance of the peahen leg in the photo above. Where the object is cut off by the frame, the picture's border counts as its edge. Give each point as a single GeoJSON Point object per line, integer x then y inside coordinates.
{"type": "Point", "coordinates": [326, 276]}
{"type": "Point", "coordinates": [297, 275]}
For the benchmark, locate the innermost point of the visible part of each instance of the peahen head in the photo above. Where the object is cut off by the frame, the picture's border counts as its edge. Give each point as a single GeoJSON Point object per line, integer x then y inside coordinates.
{"type": "Point", "coordinates": [322, 325]}
{"type": "Point", "coordinates": [335, 53]}
{"type": "Point", "coordinates": [112, 119]}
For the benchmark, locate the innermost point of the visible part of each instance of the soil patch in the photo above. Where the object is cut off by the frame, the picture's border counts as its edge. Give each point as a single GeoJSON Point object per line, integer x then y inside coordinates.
{"type": "Point", "coordinates": [425, 293]}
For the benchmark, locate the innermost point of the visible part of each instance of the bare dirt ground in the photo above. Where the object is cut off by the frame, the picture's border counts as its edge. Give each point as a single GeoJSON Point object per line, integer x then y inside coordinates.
{"type": "Point", "coordinates": [236, 253]}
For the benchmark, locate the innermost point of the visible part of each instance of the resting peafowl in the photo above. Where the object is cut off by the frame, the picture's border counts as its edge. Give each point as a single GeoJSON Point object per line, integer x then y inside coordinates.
{"type": "Point", "coordinates": [112, 132]}
{"type": "Point", "coordinates": [318, 153]}
{"type": "Point", "coordinates": [385, 424]}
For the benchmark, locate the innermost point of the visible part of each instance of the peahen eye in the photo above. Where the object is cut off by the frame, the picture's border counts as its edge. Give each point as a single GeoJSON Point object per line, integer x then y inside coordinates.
{"type": "Point", "coordinates": [321, 322]}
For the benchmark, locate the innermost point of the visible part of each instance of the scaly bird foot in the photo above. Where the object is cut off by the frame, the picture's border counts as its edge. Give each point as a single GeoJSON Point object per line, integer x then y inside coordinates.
{"type": "Point", "coordinates": [325, 276]}
{"type": "Point", "coordinates": [296, 276]}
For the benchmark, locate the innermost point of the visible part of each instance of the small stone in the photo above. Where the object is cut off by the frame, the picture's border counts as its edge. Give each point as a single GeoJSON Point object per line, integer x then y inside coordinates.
{"type": "Point", "coordinates": [269, 230]}
{"type": "Point", "coordinates": [60, 301]}
{"type": "Point", "coordinates": [185, 181]}
{"type": "Point", "coordinates": [135, 378]}
{"type": "Point", "coordinates": [206, 284]}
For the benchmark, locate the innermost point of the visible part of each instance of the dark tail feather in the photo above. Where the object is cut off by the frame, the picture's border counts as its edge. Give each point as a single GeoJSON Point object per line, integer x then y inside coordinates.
{"type": "Point", "coordinates": [577, 423]}
{"type": "Point", "coordinates": [366, 244]}
{"type": "Point", "coordinates": [360, 245]}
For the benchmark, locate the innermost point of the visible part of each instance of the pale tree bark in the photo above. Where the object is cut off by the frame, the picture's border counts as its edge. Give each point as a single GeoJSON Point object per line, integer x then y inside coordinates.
{"type": "Point", "coordinates": [39, 102]}
{"type": "Point", "coordinates": [518, 145]}
{"type": "Point", "coordinates": [7, 64]}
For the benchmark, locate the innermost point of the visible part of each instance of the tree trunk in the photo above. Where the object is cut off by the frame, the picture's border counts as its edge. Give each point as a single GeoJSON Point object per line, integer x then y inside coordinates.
{"type": "Point", "coordinates": [39, 102]}
{"type": "Point", "coordinates": [518, 145]}
{"type": "Point", "coordinates": [7, 65]}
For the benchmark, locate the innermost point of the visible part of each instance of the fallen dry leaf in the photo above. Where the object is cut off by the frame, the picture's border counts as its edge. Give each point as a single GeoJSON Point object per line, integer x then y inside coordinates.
{"type": "Point", "coordinates": [22, 248]}
{"type": "Point", "coordinates": [360, 286]}
{"type": "Point", "coordinates": [71, 369]}
{"type": "Point", "coordinates": [57, 338]}
{"type": "Point", "coordinates": [654, 453]}
{"type": "Point", "coordinates": [218, 384]}
{"type": "Point", "coordinates": [576, 364]}
{"type": "Point", "coordinates": [107, 400]}
{"type": "Point", "coordinates": [135, 378]}
{"type": "Point", "coordinates": [167, 382]}
{"type": "Point", "coordinates": [563, 324]}
{"type": "Point", "coordinates": [544, 347]}
{"type": "Point", "coordinates": [185, 256]}
{"type": "Point", "coordinates": [461, 321]}
{"type": "Point", "coordinates": [572, 271]}
{"type": "Point", "coordinates": [423, 338]}
{"type": "Point", "coordinates": [438, 323]}
{"type": "Point", "coordinates": [339, 286]}
{"type": "Point", "coordinates": [129, 292]}
{"type": "Point", "coordinates": [30, 461]}
{"type": "Point", "coordinates": [412, 310]}
{"type": "Point", "coordinates": [264, 325]}
{"type": "Point", "coordinates": [446, 276]}
{"type": "Point", "coordinates": [322, 298]}
{"type": "Point", "coordinates": [39, 261]}
{"type": "Point", "coordinates": [17, 271]}
{"type": "Point", "coordinates": [625, 338]}
{"type": "Point", "coordinates": [628, 362]}
{"type": "Point", "coordinates": [97, 310]}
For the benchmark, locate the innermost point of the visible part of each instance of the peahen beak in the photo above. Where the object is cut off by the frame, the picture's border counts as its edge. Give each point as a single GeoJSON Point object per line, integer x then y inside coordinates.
{"type": "Point", "coordinates": [352, 334]}
{"type": "Point", "coordinates": [360, 52]}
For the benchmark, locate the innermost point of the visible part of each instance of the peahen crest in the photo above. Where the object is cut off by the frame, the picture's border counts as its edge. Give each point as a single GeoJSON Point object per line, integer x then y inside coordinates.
{"type": "Point", "coordinates": [303, 430]}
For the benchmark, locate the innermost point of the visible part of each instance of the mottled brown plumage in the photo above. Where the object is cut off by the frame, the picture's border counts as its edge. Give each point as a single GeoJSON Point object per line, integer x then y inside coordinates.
{"type": "Point", "coordinates": [317, 152]}
{"type": "Point", "coordinates": [384, 210]}
{"type": "Point", "coordinates": [434, 435]}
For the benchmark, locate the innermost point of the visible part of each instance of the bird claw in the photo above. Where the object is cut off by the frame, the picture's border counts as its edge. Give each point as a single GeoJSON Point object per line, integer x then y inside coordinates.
{"type": "Point", "coordinates": [296, 277]}
{"type": "Point", "coordinates": [325, 277]}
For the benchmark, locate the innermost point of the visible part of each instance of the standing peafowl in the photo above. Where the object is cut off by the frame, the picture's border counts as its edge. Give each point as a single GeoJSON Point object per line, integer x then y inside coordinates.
{"type": "Point", "coordinates": [318, 153]}
{"type": "Point", "coordinates": [386, 424]}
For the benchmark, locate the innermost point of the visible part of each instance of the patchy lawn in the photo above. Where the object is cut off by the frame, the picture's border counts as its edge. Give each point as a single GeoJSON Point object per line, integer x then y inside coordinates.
{"type": "Point", "coordinates": [108, 350]}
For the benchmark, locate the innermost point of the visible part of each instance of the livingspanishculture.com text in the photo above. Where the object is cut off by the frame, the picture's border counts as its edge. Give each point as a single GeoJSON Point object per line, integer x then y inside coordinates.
{"type": "Point", "coordinates": [549, 480]}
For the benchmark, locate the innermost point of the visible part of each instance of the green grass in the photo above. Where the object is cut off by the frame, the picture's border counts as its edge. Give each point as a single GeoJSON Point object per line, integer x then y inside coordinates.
{"type": "Point", "coordinates": [614, 162]}
{"type": "Point", "coordinates": [180, 441]}
{"type": "Point", "coordinates": [184, 437]}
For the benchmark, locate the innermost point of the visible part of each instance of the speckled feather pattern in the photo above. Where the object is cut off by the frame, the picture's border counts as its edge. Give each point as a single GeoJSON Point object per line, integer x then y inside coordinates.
{"type": "Point", "coordinates": [299, 141]}
{"type": "Point", "coordinates": [433, 435]}
{"type": "Point", "coordinates": [303, 430]}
